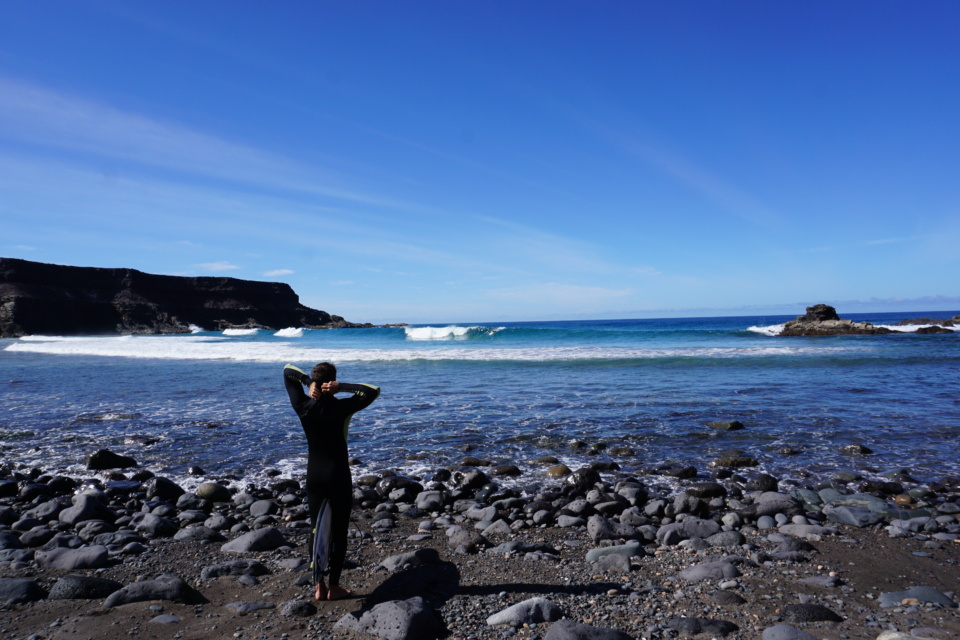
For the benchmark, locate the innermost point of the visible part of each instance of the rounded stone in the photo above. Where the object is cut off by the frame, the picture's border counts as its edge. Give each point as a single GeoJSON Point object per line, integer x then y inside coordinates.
{"type": "Point", "coordinates": [558, 471]}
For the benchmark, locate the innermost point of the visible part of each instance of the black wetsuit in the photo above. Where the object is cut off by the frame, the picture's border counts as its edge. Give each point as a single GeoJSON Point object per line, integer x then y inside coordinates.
{"type": "Point", "coordinates": [325, 423]}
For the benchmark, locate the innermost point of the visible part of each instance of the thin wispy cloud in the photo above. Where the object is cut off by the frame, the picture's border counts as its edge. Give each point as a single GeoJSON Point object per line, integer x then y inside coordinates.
{"type": "Point", "coordinates": [47, 118]}
{"type": "Point", "coordinates": [278, 272]}
{"type": "Point", "coordinates": [882, 241]}
{"type": "Point", "coordinates": [557, 252]}
{"type": "Point", "coordinates": [682, 168]}
{"type": "Point", "coordinates": [863, 244]}
{"type": "Point", "coordinates": [554, 293]}
{"type": "Point", "coordinates": [722, 193]}
{"type": "Point", "coordinates": [217, 267]}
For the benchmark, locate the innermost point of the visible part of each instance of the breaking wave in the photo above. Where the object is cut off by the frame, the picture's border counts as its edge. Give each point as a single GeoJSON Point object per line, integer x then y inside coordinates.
{"type": "Point", "coordinates": [452, 332]}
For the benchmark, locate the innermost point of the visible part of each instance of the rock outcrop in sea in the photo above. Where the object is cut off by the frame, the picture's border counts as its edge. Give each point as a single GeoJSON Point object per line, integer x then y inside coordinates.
{"type": "Point", "coordinates": [39, 298]}
{"type": "Point", "coordinates": [822, 320]}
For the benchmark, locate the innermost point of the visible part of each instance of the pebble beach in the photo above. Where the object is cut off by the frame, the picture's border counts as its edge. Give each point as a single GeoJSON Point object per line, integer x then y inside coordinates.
{"type": "Point", "coordinates": [593, 553]}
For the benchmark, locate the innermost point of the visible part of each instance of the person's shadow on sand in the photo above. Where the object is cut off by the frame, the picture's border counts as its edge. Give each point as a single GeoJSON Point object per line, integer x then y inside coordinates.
{"type": "Point", "coordinates": [438, 583]}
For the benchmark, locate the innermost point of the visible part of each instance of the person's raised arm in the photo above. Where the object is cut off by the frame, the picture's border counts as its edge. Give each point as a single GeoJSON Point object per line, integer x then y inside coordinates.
{"type": "Point", "coordinates": [364, 394]}
{"type": "Point", "coordinates": [295, 380]}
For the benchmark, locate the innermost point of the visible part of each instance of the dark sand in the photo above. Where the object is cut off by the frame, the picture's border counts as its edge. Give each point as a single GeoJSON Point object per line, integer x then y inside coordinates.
{"type": "Point", "coordinates": [466, 589]}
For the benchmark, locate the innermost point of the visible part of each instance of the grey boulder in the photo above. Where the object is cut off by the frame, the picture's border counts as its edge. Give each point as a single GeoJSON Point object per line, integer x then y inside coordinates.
{"type": "Point", "coordinates": [630, 550]}
{"type": "Point", "coordinates": [169, 588]}
{"type": "Point", "coordinates": [9, 540]}
{"type": "Point", "coordinates": [689, 528]}
{"type": "Point", "coordinates": [695, 626]}
{"type": "Point", "coordinates": [214, 492]}
{"type": "Point", "coordinates": [726, 539]}
{"type": "Point", "coordinates": [718, 570]}
{"type": "Point", "coordinates": [534, 610]}
{"type": "Point", "coordinates": [569, 630]}
{"type": "Point", "coordinates": [199, 533]}
{"type": "Point", "coordinates": [250, 606]}
{"type": "Point", "coordinates": [395, 620]}
{"type": "Point", "coordinates": [613, 563]}
{"type": "Point", "coordinates": [266, 539]}
{"type": "Point", "coordinates": [83, 588]}
{"type": "Point", "coordinates": [852, 515]}
{"type": "Point", "coordinates": [20, 590]}
{"type": "Point", "coordinates": [809, 613]}
{"type": "Point", "coordinates": [86, 507]}
{"type": "Point", "coordinates": [235, 568]}
{"type": "Point", "coordinates": [93, 557]}
{"type": "Point", "coordinates": [296, 609]}
{"type": "Point", "coordinates": [418, 558]}
{"type": "Point", "coordinates": [922, 594]}
{"type": "Point", "coordinates": [785, 632]}
{"type": "Point", "coordinates": [154, 525]}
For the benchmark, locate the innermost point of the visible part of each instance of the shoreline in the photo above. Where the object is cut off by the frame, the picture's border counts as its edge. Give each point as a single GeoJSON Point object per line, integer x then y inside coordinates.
{"type": "Point", "coordinates": [773, 572]}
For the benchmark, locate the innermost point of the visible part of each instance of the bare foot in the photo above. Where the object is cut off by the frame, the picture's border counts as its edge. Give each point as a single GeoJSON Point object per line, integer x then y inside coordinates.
{"type": "Point", "coordinates": [320, 593]}
{"type": "Point", "coordinates": [337, 592]}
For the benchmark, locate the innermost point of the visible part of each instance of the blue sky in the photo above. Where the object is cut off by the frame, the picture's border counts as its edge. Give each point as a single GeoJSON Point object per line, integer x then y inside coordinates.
{"type": "Point", "coordinates": [482, 161]}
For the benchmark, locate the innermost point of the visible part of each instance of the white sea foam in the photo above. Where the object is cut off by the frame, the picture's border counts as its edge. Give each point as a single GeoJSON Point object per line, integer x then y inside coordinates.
{"type": "Point", "coordinates": [909, 328]}
{"type": "Point", "coordinates": [43, 338]}
{"type": "Point", "coordinates": [452, 332]}
{"type": "Point", "coordinates": [240, 332]}
{"type": "Point", "coordinates": [290, 332]}
{"type": "Point", "coordinates": [775, 329]}
{"type": "Point", "coordinates": [771, 330]}
{"type": "Point", "coordinates": [195, 329]}
{"type": "Point", "coordinates": [205, 347]}
{"type": "Point", "coordinates": [436, 333]}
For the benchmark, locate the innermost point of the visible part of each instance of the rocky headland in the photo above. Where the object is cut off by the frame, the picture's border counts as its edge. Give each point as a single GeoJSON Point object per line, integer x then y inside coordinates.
{"type": "Point", "coordinates": [822, 320]}
{"type": "Point", "coordinates": [462, 554]}
{"type": "Point", "coordinates": [38, 298]}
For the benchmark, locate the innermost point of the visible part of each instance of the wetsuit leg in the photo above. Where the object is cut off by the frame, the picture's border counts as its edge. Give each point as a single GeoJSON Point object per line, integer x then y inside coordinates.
{"type": "Point", "coordinates": [341, 502]}
{"type": "Point", "coordinates": [315, 496]}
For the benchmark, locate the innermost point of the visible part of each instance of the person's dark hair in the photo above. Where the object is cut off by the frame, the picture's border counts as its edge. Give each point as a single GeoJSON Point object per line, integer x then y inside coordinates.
{"type": "Point", "coordinates": [323, 372]}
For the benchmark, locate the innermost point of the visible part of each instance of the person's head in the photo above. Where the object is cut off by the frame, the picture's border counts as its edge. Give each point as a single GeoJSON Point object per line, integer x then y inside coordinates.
{"type": "Point", "coordinates": [323, 372]}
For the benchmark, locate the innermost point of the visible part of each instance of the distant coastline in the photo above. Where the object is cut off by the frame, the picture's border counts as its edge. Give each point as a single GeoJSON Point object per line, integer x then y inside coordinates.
{"type": "Point", "coordinates": [40, 298]}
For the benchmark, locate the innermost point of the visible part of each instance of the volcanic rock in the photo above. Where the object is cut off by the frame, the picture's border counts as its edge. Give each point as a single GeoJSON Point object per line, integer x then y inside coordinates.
{"type": "Point", "coordinates": [822, 320]}
{"type": "Point", "coordinates": [39, 298]}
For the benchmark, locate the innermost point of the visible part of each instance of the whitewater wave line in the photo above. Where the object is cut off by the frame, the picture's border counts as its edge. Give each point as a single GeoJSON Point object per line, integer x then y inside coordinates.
{"type": "Point", "coordinates": [775, 329]}
{"type": "Point", "coordinates": [216, 348]}
{"type": "Point", "coordinates": [452, 332]}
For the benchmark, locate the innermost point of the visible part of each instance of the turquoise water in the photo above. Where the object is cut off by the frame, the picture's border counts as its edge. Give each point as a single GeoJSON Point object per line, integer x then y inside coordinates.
{"type": "Point", "coordinates": [507, 392]}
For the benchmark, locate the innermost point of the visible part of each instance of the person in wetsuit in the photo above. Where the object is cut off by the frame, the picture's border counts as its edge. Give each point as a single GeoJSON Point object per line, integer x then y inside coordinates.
{"type": "Point", "coordinates": [326, 420]}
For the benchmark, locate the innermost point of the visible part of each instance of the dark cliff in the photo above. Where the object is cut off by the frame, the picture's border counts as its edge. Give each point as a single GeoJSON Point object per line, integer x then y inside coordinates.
{"type": "Point", "coordinates": [38, 298]}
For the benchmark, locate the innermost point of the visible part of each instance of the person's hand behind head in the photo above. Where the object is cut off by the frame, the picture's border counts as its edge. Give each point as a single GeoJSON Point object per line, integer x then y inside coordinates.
{"type": "Point", "coordinates": [330, 387]}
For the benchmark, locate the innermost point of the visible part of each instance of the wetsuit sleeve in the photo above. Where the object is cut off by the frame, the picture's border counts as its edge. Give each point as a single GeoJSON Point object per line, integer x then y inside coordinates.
{"type": "Point", "coordinates": [363, 397]}
{"type": "Point", "coordinates": [363, 394]}
{"type": "Point", "coordinates": [295, 380]}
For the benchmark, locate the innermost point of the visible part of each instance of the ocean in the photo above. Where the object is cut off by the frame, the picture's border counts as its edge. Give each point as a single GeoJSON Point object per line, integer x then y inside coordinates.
{"type": "Point", "coordinates": [636, 392]}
